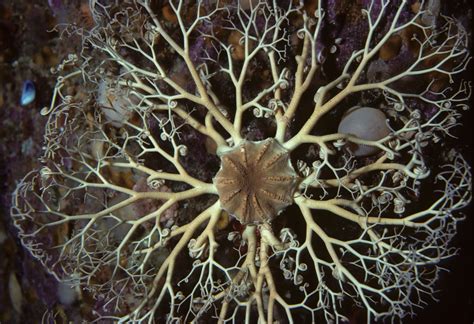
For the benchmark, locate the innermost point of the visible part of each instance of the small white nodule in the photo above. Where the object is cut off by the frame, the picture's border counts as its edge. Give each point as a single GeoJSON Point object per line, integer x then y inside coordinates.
{"type": "Point", "coordinates": [367, 124]}
{"type": "Point", "coordinates": [66, 294]}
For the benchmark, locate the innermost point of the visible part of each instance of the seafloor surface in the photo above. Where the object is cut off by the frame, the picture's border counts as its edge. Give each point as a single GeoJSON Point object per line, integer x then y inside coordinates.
{"type": "Point", "coordinates": [29, 48]}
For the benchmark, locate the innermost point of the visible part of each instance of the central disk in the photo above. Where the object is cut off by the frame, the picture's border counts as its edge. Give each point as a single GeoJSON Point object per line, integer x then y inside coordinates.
{"type": "Point", "coordinates": [256, 181]}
